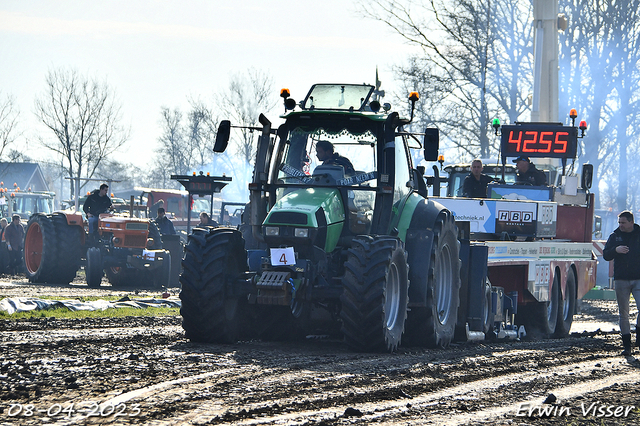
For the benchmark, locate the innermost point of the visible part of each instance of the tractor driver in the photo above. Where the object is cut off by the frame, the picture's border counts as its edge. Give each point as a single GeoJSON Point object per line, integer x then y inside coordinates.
{"type": "Point", "coordinates": [528, 174]}
{"type": "Point", "coordinates": [325, 153]}
{"type": "Point", "coordinates": [97, 202]}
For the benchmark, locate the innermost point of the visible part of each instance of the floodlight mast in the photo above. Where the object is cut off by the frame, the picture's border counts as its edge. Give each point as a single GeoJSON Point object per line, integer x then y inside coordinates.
{"type": "Point", "coordinates": [545, 101]}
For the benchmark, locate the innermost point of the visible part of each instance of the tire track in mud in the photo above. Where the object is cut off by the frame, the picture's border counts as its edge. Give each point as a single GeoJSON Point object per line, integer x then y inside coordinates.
{"type": "Point", "coordinates": [305, 382]}
{"type": "Point", "coordinates": [300, 388]}
{"type": "Point", "coordinates": [416, 409]}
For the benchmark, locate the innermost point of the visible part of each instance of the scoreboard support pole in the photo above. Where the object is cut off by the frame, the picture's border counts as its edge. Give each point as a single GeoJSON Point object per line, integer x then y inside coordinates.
{"type": "Point", "coordinates": [200, 185]}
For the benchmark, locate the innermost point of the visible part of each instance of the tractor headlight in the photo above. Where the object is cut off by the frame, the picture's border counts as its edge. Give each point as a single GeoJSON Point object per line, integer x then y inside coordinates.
{"type": "Point", "coordinates": [272, 231]}
{"type": "Point", "coordinates": [301, 232]}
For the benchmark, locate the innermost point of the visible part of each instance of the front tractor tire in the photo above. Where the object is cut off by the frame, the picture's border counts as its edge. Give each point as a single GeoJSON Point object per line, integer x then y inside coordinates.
{"type": "Point", "coordinates": [434, 325]}
{"type": "Point", "coordinates": [214, 259]}
{"type": "Point", "coordinates": [375, 295]}
{"type": "Point", "coordinates": [94, 268]}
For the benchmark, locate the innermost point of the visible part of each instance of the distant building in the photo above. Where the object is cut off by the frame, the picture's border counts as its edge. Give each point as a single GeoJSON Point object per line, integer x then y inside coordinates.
{"type": "Point", "coordinates": [25, 175]}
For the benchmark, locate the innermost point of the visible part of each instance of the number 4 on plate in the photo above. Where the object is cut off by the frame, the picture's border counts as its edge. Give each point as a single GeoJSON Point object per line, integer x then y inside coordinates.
{"type": "Point", "coordinates": [283, 256]}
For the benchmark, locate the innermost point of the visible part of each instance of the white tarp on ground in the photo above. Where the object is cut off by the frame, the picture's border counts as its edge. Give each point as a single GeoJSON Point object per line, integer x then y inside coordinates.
{"type": "Point", "coordinates": [11, 305]}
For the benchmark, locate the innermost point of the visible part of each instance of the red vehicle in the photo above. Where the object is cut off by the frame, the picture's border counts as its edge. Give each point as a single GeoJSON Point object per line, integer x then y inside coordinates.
{"type": "Point", "coordinates": [176, 205]}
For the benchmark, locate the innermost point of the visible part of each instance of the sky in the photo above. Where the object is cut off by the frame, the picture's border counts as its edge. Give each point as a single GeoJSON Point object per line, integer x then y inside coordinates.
{"type": "Point", "coordinates": [161, 53]}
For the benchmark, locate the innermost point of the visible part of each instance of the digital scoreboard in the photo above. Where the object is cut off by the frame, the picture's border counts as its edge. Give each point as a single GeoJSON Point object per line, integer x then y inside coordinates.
{"type": "Point", "coordinates": [202, 185]}
{"type": "Point", "coordinates": [539, 140]}
{"type": "Point", "coordinates": [197, 187]}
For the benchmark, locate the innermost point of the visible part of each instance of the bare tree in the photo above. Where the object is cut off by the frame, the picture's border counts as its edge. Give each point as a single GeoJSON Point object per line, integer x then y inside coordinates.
{"type": "Point", "coordinates": [173, 156]}
{"type": "Point", "coordinates": [247, 96]}
{"type": "Point", "coordinates": [202, 127]}
{"type": "Point", "coordinates": [473, 57]}
{"type": "Point", "coordinates": [599, 70]}
{"type": "Point", "coordinates": [184, 146]}
{"type": "Point", "coordinates": [85, 119]}
{"type": "Point", "coordinates": [8, 122]}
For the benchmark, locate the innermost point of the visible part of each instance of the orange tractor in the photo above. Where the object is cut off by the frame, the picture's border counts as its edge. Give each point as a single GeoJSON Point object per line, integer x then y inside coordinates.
{"type": "Point", "coordinates": [129, 250]}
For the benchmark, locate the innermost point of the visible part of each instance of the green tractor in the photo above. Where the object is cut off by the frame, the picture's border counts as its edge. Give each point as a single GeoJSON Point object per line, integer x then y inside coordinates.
{"type": "Point", "coordinates": [328, 248]}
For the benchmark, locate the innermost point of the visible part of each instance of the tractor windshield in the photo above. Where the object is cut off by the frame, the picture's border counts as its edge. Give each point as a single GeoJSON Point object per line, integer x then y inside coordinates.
{"type": "Point", "coordinates": [338, 96]}
{"type": "Point", "coordinates": [27, 205]}
{"type": "Point", "coordinates": [351, 166]}
{"type": "Point", "coordinates": [346, 158]}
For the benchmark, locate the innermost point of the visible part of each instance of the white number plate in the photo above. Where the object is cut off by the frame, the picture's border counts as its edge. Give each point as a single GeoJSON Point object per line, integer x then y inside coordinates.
{"type": "Point", "coordinates": [283, 256]}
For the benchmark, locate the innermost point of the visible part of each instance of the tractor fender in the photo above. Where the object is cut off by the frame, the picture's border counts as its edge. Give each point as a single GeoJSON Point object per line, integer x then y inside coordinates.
{"type": "Point", "coordinates": [74, 219]}
{"type": "Point", "coordinates": [419, 242]}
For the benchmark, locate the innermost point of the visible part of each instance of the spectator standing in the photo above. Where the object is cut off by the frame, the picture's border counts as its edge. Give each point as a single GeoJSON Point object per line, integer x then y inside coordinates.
{"type": "Point", "coordinates": [165, 226]}
{"type": "Point", "coordinates": [623, 247]}
{"type": "Point", "coordinates": [14, 236]}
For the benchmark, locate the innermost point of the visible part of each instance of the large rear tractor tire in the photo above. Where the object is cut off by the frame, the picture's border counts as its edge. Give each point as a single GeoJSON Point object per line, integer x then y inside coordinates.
{"type": "Point", "coordinates": [69, 248]}
{"type": "Point", "coordinates": [52, 249]}
{"type": "Point", "coordinates": [94, 267]}
{"type": "Point", "coordinates": [567, 308]}
{"type": "Point", "coordinates": [214, 259]}
{"type": "Point", "coordinates": [375, 295]}
{"type": "Point", "coordinates": [154, 233]}
{"type": "Point", "coordinates": [434, 325]}
{"type": "Point", "coordinates": [40, 255]}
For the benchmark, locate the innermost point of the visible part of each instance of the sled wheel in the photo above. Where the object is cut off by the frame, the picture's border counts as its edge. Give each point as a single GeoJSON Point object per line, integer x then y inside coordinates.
{"type": "Point", "coordinates": [567, 308]}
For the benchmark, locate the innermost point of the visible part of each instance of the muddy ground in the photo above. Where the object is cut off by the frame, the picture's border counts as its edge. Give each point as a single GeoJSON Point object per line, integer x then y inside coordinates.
{"type": "Point", "coordinates": [141, 370]}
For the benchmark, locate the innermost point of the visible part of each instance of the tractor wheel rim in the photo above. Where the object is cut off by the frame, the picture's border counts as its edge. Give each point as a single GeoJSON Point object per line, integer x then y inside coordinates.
{"type": "Point", "coordinates": [443, 279]}
{"type": "Point", "coordinates": [392, 297]}
{"type": "Point", "coordinates": [34, 245]}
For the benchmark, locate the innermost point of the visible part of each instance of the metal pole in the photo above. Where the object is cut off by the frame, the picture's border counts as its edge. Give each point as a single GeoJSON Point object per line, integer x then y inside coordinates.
{"type": "Point", "coordinates": [189, 215]}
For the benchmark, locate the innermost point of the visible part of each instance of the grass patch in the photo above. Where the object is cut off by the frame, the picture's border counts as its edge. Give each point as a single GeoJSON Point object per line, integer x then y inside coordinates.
{"type": "Point", "coordinates": [108, 313]}
{"type": "Point", "coordinates": [112, 298]}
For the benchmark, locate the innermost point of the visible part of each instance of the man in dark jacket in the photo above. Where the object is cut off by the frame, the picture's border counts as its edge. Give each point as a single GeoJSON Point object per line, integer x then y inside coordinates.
{"type": "Point", "coordinates": [97, 202]}
{"type": "Point", "coordinates": [165, 226]}
{"type": "Point", "coordinates": [324, 152]}
{"type": "Point", "coordinates": [528, 174]}
{"type": "Point", "coordinates": [14, 236]}
{"type": "Point", "coordinates": [623, 247]}
{"type": "Point", "coordinates": [475, 184]}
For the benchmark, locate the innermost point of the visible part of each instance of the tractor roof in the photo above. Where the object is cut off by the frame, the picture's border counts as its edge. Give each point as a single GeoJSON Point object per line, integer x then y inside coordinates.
{"type": "Point", "coordinates": [341, 99]}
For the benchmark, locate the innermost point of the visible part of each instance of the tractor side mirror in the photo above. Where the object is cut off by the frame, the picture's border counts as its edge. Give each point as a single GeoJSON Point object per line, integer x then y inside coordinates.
{"type": "Point", "coordinates": [597, 225]}
{"type": "Point", "coordinates": [587, 175]}
{"type": "Point", "coordinates": [222, 137]}
{"type": "Point", "coordinates": [431, 144]}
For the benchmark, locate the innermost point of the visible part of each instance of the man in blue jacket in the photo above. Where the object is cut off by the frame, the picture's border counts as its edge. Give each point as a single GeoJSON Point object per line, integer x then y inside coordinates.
{"type": "Point", "coordinates": [623, 247]}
